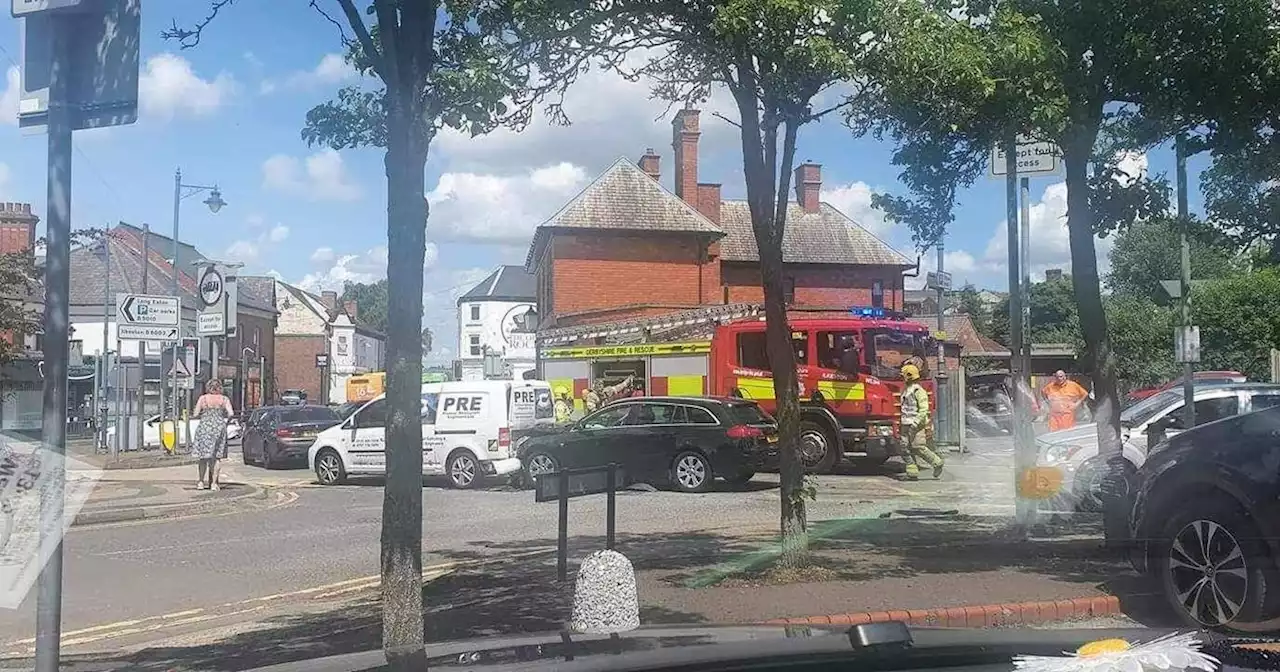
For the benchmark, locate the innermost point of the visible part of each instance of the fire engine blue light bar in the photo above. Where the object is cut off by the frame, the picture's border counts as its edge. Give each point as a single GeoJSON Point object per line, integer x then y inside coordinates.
{"type": "Point", "coordinates": [867, 312]}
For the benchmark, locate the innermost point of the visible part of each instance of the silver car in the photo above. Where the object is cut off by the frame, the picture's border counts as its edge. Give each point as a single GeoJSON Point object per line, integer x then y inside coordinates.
{"type": "Point", "coordinates": [1075, 451]}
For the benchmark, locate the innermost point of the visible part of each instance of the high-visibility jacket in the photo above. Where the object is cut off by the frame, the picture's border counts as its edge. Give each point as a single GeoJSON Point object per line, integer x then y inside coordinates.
{"type": "Point", "coordinates": [915, 406]}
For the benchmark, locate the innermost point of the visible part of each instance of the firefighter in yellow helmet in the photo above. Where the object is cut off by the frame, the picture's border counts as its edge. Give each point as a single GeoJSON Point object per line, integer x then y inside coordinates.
{"type": "Point", "coordinates": [563, 405]}
{"type": "Point", "coordinates": [916, 424]}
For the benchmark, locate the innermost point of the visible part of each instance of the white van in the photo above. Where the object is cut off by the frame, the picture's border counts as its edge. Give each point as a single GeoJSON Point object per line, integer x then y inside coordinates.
{"type": "Point", "coordinates": [469, 430]}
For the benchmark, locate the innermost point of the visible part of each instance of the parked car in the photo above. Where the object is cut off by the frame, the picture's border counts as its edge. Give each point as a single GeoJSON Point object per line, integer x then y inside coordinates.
{"type": "Point", "coordinates": [1075, 451]}
{"type": "Point", "coordinates": [1200, 378]}
{"type": "Point", "coordinates": [1205, 521]}
{"type": "Point", "coordinates": [151, 432]}
{"type": "Point", "coordinates": [278, 434]}
{"type": "Point", "coordinates": [346, 410]}
{"type": "Point", "coordinates": [293, 397]}
{"type": "Point", "coordinates": [989, 407]}
{"type": "Point", "coordinates": [687, 442]}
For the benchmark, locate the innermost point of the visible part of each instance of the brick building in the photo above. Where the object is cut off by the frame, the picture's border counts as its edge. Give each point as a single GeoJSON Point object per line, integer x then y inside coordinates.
{"type": "Point", "coordinates": [312, 324]}
{"type": "Point", "coordinates": [627, 247]}
{"type": "Point", "coordinates": [21, 388]}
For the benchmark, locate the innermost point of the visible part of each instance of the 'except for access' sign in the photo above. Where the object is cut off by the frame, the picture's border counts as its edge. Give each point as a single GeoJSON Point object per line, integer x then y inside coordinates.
{"type": "Point", "coordinates": [1034, 159]}
{"type": "Point", "coordinates": [211, 324]}
{"type": "Point", "coordinates": [147, 309]}
{"type": "Point", "coordinates": [143, 332]}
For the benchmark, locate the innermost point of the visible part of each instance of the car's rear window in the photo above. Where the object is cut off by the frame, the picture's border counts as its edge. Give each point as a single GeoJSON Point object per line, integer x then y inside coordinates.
{"type": "Point", "coordinates": [309, 414]}
{"type": "Point", "coordinates": [749, 414]}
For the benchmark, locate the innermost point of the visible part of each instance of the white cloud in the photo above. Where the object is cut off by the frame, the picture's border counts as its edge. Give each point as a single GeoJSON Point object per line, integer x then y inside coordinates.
{"type": "Point", "coordinates": [854, 200]}
{"type": "Point", "coordinates": [610, 117]}
{"type": "Point", "coordinates": [9, 97]}
{"type": "Point", "coordinates": [332, 271]}
{"type": "Point", "coordinates": [169, 87]}
{"type": "Point", "coordinates": [332, 69]}
{"type": "Point", "coordinates": [251, 251]}
{"type": "Point", "coordinates": [500, 208]}
{"type": "Point", "coordinates": [320, 177]}
{"type": "Point", "coordinates": [1049, 245]}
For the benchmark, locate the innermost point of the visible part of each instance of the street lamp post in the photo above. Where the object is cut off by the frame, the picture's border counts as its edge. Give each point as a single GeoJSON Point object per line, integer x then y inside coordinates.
{"type": "Point", "coordinates": [214, 203]}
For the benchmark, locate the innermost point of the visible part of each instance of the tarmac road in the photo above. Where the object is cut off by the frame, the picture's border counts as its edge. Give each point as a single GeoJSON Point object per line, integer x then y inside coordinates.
{"type": "Point", "coordinates": [126, 582]}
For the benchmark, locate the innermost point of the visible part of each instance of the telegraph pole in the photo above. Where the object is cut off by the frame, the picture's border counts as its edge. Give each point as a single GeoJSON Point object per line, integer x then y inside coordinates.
{"type": "Point", "coordinates": [1023, 452]}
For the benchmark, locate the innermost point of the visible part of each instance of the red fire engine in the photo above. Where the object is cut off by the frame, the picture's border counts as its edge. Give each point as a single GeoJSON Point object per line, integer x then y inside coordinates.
{"type": "Point", "coordinates": [849, 379]}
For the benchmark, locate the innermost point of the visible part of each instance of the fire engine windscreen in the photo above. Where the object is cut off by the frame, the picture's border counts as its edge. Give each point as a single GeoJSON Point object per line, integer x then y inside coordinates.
{"type": "Point", "coordinates": [889, 349]}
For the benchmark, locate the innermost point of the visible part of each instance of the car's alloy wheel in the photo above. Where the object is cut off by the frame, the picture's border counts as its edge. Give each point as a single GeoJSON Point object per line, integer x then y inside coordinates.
{"type": "Point", "coordinates": [1209, 573]}
{"type": "Point", "coordinates": [463, 470]}
{"type": "Point", "coordinates": [539, 464]}
{"type": "Point", "coordinates": [691, 472]}
{"type": "Point", "coordinates": [329, 470]}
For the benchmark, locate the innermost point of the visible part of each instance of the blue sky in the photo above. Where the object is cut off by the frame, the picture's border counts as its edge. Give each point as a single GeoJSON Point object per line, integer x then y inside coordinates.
{"type": "Point", "coordinates": [229, 112]}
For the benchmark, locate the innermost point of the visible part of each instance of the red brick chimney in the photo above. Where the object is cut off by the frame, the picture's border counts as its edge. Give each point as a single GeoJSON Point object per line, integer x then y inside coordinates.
{"type": "Point", "coordinates": [330, 300]}
{"type": "Point", "coordinates": [651, 164]}
{"type": "Point", "coordinates": [684, 140]}
{"type": "Point", "coordinates": [709, 201]}
{"type": "Point", "coordinates": [17, 228]}
{"type": "Point", "coordinates": [809, 186]}
{"type": "Point", "coordinates": [351, 309]}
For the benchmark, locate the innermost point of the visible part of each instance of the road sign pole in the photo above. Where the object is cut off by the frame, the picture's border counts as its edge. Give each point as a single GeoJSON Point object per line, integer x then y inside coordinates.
{"type": "Point", "coordinates": [177, 208]}
{"type": "Point", "coordinates": [1023, 455]}
{"type": "Point", "coordinates": [1189, 368]}
{"type": "Point", "coordinates": [56, 334]}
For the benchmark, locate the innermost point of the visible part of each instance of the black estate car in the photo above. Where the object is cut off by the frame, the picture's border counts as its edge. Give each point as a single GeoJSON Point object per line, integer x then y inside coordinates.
{"type": "Point", "coordinates": [1205, 522]}
{"type": "Point", "coordinates": [685, 441]}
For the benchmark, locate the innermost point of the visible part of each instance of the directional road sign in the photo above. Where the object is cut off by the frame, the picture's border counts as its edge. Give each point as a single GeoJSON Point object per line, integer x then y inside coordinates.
{"type": "Point", "coordinates": [142, 332]}
{"type": "Point", "coordinates": [24, 7]}
{"type": "Point", "coordinates": [147, 309]}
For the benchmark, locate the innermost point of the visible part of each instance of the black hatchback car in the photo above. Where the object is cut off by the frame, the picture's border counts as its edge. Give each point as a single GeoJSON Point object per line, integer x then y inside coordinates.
{"type": "Point", "coordinates": [687, 442]}
{"type": "Point", "coordinates": [1205, 522]}
{"type": "Point", "coordinates": [279, 434]}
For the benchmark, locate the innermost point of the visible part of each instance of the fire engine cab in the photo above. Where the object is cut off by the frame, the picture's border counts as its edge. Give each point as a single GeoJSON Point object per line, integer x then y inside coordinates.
{"type": "Point", "coordinates": [848, 371]}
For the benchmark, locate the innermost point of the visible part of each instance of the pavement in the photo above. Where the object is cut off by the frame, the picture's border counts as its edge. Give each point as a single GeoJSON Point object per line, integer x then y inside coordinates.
{"type": "Point", "coordinates": [226, 588]}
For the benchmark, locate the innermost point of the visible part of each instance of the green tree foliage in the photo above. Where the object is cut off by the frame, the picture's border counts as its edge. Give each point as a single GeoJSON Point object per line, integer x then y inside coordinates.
{"type": "Point", "coordinates": [963, 76]}
{"type": "Point", "coordinates": [1149, 252]}
{"type": "Point", "coordinates": [1242, 195]}
{"type": "Point", "coordinates": [1053, 313]}
{"type": "Point", "coordinates": [1142, 335]}
{"type": "Point", "coordinates": [970, 303]}
{"type": "Point", "coordinates": [19, 299]}
{"type": "Point", "coordinates": [371, 302]}
{"type": "Point", "coordinates": [465, 64]}
{"type": "Point", "coordinates": [1239, 320]}
{"type": "Point", "coordinates": [776, 58]}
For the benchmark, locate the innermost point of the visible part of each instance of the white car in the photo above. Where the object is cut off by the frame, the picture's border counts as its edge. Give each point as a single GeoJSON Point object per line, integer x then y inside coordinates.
{"type": "Point", "coordinates": [1075, 451]}
{"type": "Point", "coordinates": [151, 431]}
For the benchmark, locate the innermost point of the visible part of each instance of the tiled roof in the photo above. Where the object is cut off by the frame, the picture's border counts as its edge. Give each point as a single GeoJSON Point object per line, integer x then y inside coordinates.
{"type": "Point", "coordinates": [89, 272]}
{"type": "Point", "coordinates": [960, 329]}
{"type": "Point", "coordinates": [823, 237]}
{"type": "Point", "coordinates": [624, 198]}
{"type": "Point", "coordinates": [507, 283]}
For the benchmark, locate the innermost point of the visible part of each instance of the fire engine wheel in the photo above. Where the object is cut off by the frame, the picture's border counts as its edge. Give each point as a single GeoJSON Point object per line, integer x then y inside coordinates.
{"type": "Point", "coordinates": [819, 448]}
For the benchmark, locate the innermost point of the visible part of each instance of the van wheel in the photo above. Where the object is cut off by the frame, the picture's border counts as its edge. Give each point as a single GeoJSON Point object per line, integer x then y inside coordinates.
{"type": "Point", "coordinates": [819, 449]}
{"type": "Point", "coordinates": [329, 469]}
{"type": "Point", "coordinates": [463, 470]}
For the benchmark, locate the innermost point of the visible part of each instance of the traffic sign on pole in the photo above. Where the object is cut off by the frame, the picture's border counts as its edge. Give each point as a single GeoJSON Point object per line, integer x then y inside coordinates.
{"type": "Point", "coordinates": [1034, 158]}
{"type": "Point", "coordinates": [103, 75]}
{"type": "Point", "coordinates": [146, 309]}
{"type": "Point", "coordinates": [142, 332]}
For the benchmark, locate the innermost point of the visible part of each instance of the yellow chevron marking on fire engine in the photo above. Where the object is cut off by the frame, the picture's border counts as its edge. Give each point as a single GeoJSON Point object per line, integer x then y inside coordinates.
{"type": "Point", "coordinates": [842, 391]}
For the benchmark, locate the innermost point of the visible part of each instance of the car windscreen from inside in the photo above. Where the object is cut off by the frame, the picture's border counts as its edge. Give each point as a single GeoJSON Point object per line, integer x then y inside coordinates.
{"type": "Point", "coordinates": [748, 414]}
{"type": "Point", "coordinates": [309, 414]}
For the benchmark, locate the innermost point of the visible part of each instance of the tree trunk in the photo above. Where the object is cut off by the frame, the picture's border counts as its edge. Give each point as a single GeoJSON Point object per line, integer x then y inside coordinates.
{"type": "Point", "coordinates": [1077, 151]}
{"type": "Point", "coordinates": [402, 607]}
{"type": "Point", "coordinates": [760, 174]}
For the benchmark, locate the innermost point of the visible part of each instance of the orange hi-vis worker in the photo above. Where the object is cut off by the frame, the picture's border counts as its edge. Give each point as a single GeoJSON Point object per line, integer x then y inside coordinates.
{"type": "Point", "coordinates": [1064, 397]}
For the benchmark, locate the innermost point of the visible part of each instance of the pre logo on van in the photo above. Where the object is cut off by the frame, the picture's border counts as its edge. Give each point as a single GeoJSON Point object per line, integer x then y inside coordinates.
{"type": "Point", "coordinates": [463, 406]}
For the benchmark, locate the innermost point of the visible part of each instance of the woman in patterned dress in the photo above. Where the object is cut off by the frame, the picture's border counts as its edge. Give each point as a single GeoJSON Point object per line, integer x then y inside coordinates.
{"type": "Point", "coordinates": [210, 441]}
